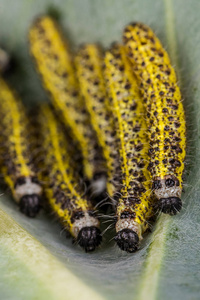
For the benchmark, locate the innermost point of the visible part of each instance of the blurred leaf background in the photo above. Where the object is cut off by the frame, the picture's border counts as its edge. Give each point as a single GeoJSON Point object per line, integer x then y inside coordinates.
{"type": "Point", "coordinates": [36, 260]}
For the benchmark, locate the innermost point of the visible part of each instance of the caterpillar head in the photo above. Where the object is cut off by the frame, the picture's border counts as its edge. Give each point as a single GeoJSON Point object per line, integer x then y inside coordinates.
{"type": "Point", "coordinates": [89, 238]}
{"type": "Point", "coordinates": [27, 193]}
{"type": "Point", "coordinates": [127, 240]}
{"type": "Point", "coordinates": [86, 230]}
{"type": "Point", "coordinates": [30, 205]}
{"type": "Point", "coordinates": [129, 234]}
{"type": "Point", "coordinates": [170, 205]}
{"type": "Point", "coordinates": [168, 192]}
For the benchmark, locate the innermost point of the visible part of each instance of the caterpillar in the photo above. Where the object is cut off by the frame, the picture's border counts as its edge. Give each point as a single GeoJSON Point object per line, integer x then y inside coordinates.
{"type": "Point", "coordinates": [16, 161]}
{"type": "Point", "coordinates": [89, 67]}
{"type": "Point", "coordinates": [55, 65]}
{"type": "Point", "coordinates": [164, 114]}
{"type": "Point", "coordinates": [62, 186]}
{"type": "Point", "coordinates": [135, 203]}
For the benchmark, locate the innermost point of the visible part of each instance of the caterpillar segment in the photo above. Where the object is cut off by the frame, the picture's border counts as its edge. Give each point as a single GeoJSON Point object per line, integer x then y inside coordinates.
{"type": "Point", "coordinates": [164, 114]}
{"type": "Point", "coordinates": [55, 65]}
{"type": "Point", "coordinates": [63, 187]}
{"type": "Point", "coordinates": [89, 65]}
{"type": "Point", "coordinates": [16, 160]}
{"type": "Point", "coordinates": [135, 203]}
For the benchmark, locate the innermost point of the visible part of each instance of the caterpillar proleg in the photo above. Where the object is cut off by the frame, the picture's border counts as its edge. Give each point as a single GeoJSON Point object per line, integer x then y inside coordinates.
{"type": "Point", "coordinates": [164, 114]}
{"type": "Point", "coordinates": [89, 65]}
{"type": "Point", "coordinates": [55, 65]}
{"type": "Point", "coordinates": [62, 186]}
{"type": "Point", "coordinates": [135, 203]}
{"type": "Point", "coordinates": [16, 165]}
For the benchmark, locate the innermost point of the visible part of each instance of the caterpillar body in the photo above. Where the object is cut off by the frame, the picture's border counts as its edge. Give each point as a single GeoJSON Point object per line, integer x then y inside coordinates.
{"type": "Point", "coordinates": [135, 203]}
{"type": "Point", "coordinates": [16, 161]}
{"type": "Point", "coordinates": [54, 63]}
{"type": "Point", "coordinates": [62, 185]}
{"type": "Point", "coordinates": [89, 66]}
{"type": "Point", "coordinates": [165, 114]}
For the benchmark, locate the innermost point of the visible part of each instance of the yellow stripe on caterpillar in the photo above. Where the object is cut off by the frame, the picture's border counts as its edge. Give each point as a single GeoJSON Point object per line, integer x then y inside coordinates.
{"type": "Point", "coordinates": [89, 66]}
{"type": "Point", "coordinates": [62, 185]}
{"type": "Point", "coordinates": [164, 114]}
{"type": "Point", "coordinates": [16, 159]}
{"type": "Point", "coordinates": [135, 203]}
{"type": "Point", "coordinates": [55, 65]}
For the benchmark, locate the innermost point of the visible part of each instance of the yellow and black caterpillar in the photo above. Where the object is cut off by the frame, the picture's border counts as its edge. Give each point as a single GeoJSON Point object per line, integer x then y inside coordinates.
{"type": "Point", "coordinates": [62, 186]}
{"type": "Point", "coordinates": [135, 202]}
{"type": "Point", "coordinates": [54, 63]}
{"type": "Point", "coordinates": [89, 66]}
{"type": "Point", "coordinates": [16, 161]}
{"type": "Point", "coordinates": [164, 114]}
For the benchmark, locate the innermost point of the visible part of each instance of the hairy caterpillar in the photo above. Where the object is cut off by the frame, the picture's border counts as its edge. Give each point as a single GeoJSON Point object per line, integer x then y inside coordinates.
{"type": "Point", "coordinates": [16, 164]}
{"type": "Point", "coordinates": [135, 203]}
{"type": "Point", "coordinates": [54, 63]}
{"type": "Point", "coordinates": [89, 66]}
{"type": "Point", "coordinates": [165, 114]}
{"type": "Point", "coordinates": [62, 186]}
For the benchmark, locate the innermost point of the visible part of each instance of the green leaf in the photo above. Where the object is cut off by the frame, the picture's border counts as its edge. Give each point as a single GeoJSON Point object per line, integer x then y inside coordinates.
{"type": "Point", "coordinates": [36, 260]}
